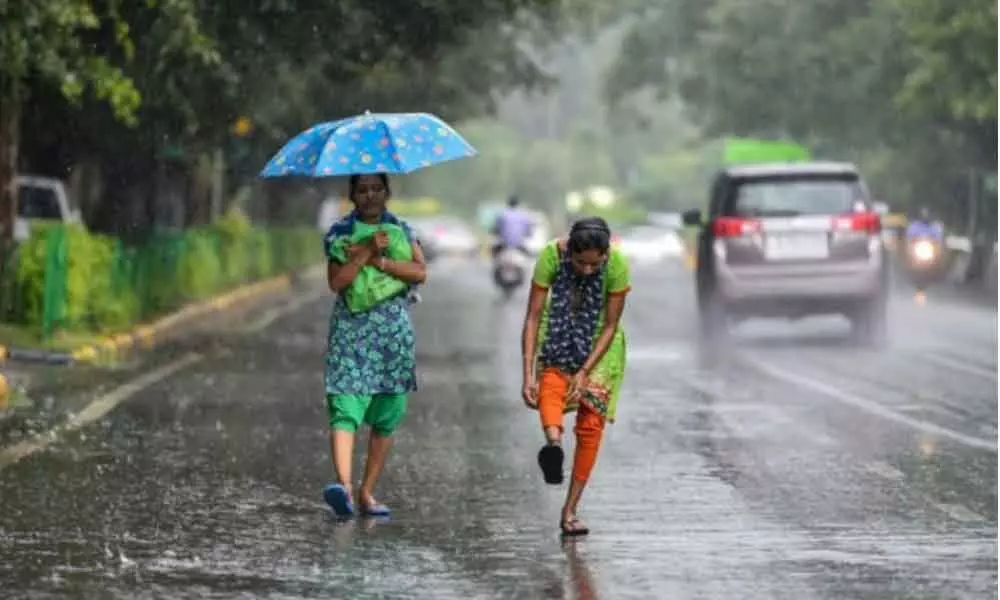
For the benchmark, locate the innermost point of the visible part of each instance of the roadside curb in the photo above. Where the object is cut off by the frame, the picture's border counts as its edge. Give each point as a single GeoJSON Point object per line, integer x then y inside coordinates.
{"type": "Point", "coordinates": [5, 394]}
{"type": "Point", "coordinates": [146, 336]}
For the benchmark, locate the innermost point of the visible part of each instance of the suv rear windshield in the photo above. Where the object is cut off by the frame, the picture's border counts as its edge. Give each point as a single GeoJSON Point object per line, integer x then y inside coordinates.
{"type": "Point", "coordinates": [790, 197]}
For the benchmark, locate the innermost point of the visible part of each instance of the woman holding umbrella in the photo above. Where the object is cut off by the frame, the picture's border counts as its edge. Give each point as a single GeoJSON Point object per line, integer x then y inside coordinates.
{"type": "Point", "coordinates": [370, 363]}
{"type": "Point", "coordinates": [573, 349]}
{"type": "Point", "coordinates": [371, 358]}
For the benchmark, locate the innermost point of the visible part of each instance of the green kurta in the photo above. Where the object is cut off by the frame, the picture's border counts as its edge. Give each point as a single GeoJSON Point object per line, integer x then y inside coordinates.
{"type": "Point", "coordinates": [606, 377]}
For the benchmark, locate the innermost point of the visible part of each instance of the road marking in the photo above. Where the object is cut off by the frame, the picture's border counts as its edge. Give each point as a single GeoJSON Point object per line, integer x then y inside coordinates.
{"type": "Point", "coordinates": [959, 366]}
{"type": "Point", "coordinates": [277, 312]}
{"type": "Point", "coordinates": [959, 512]}
{"type": "Point", "coordinates": [95, 410]}
{"type": "Point", "coordinates": [872, 407]}
{"type": "Point", "coordinates": [929, 408]}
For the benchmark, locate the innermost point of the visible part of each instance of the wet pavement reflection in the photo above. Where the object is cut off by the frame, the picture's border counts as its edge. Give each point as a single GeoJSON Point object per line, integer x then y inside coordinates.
{"type": "Point", "coordinates": [788, 465]}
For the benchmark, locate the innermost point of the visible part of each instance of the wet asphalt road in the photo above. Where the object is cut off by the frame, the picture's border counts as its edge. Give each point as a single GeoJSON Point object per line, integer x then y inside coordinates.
{"type": "Point", "coordinates": [793, 466]}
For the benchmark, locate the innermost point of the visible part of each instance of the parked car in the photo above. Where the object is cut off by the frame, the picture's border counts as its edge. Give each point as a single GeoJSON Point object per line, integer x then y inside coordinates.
{"type": "Point", "coordinates": [649, 244]}
{"type": "Point", "coordinates": [445, 235]}
{"type": "Point", "coordinates": [791, 240]}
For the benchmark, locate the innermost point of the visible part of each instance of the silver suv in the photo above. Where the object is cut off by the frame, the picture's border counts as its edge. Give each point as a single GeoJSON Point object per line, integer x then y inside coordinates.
{"type": "Point", "coordinates": [791, 240]}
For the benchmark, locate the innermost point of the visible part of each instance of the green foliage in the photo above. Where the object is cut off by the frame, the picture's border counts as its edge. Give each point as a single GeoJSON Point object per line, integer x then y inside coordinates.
{"type": "Point", "coordinates": [291, 248]}
{"type": "Point", "coordinates": [87, 295]}
{"type": "Point", "coordinates": [954, 68]}
{"type": "Point", "coordinates": [199, 267]}
{"type": "Point", "coordinates": [262, 254]}
{"type": "Point", "coordinates": [906, 88]}
{"type": "Point", "coordinates": [52, 40]}
{"type": "Point", "coordinates": [88, 278]}
{"type": "Point", "coordinates": [233, 231]}
{"type": "Point", "coordinates": [200, 67]}
{"type": "Point", "coordinates": [109, 286]}
{"type": "Point", "coordinates": [29, 280]}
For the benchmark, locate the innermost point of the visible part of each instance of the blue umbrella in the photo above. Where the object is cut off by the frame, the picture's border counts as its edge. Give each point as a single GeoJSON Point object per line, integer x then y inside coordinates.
{"type": "Point", "coordinates": [369, 143]}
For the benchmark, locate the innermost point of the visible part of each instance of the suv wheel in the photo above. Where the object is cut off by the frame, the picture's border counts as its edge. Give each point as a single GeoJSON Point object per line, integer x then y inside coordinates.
{"type": "Point", "coordinates": [713, 318]}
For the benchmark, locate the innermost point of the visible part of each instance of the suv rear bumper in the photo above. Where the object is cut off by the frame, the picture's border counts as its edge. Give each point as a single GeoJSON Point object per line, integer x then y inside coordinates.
{"type": "Point", "coordinates": [815, 289]}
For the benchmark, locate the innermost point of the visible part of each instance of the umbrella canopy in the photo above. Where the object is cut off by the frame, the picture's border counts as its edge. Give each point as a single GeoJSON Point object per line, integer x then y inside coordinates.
{"type": "Point", "coordinates": [369, 143]}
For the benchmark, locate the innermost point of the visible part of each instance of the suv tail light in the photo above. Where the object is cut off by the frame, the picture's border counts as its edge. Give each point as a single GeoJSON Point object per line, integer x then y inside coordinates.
{"type": "Point", "coordinates": [866, 222]}
{"type": "Point", "coordinates": [725, 227]}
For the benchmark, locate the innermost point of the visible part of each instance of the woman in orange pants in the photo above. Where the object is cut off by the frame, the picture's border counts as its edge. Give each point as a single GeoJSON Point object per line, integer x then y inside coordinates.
{"type": "Point", "coordinates": [573, 348]}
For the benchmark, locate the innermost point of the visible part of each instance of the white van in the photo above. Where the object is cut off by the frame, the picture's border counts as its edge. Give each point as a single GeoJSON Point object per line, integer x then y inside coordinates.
{"type": "Point", "coordinates": [41, 198]}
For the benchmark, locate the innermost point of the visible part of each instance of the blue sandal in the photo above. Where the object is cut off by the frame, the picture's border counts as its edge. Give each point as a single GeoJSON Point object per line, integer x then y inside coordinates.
{"type": "Point", "coordinates": [376, 510]}
{"type": "Point", "coordinates": [339, 500]}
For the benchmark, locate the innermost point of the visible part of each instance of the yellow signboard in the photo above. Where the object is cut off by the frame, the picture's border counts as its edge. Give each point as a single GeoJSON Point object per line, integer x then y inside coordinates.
{"type": "Point", "coordinates": [894, 220]}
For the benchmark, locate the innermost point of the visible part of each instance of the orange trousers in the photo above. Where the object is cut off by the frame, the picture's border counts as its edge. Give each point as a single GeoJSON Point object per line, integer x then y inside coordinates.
{"type": "Point", "coordinates": [553, 387]}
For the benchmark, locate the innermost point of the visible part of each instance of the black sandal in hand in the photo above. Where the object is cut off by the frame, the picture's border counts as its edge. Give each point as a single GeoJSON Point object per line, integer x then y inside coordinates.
{"type": "Point", "coordinates": [550, 459]}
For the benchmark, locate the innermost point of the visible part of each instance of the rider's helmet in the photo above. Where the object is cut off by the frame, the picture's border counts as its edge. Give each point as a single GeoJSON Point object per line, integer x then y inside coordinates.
{"type": "Point", "coordinates": [513, 201]}
{"type": "Point", "coordinates": [924, 214]}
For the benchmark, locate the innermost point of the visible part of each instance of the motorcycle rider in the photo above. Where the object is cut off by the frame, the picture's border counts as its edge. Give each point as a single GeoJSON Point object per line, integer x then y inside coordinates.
{"type": "Point", "coordinates": [924, 262]}
{"type": "Point", "coordinates": [512, 227]}
{"type": "Point", "coordinates": [922, 225]}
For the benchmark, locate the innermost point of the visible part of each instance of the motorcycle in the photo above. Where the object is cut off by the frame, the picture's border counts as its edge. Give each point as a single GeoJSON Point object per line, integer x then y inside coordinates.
{"type": "Point", "coordinates": [510, 270]}
{"type": "Point", "coordinates": [924, 256]}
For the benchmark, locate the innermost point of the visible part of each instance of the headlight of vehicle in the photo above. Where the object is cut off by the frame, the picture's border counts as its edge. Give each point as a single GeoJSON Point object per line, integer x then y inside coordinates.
{"type": "Point", "coordinates": [923, 251]}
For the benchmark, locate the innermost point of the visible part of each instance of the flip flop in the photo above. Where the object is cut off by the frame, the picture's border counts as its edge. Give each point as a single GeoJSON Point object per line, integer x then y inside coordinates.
{"type": "Point", "coordinates": [550, 459]}
{"type": "Point", "coordinates": [337, 497]}
{"type": "Point", "coordinates": [377, 510]}
{"type": "Point", "coordinates": [573, 531]}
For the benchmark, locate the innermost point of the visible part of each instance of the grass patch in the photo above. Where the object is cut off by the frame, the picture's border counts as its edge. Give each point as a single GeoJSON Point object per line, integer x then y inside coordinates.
{"type": "Point", "coordinates": [29, 338]}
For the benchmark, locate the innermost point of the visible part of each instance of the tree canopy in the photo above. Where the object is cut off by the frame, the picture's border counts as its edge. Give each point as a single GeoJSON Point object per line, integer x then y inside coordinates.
{"type": "Point", "coordinates": [639, 91]}
{"type": "Point", "coordinates": [130, 85]}
{"type": "Point", "coordinates": [906, 87]}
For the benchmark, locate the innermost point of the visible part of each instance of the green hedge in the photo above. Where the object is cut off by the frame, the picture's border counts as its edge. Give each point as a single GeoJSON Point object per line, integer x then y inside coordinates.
{"type": "Point", "coordinates": [66, 278]}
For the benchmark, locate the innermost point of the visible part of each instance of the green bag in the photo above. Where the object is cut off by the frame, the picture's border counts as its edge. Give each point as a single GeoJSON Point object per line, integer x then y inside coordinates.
{"type": "Point", "coordinates": [372, 286]}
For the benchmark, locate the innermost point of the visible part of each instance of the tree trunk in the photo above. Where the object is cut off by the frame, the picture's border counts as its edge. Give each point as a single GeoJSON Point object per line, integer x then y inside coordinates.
{"type": "Point", "coordinates": [10, 117]}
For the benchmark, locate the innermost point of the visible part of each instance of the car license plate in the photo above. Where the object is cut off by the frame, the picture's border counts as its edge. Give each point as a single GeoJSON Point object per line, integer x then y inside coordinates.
{"type": "Point", "coordinates": [802, 246]}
